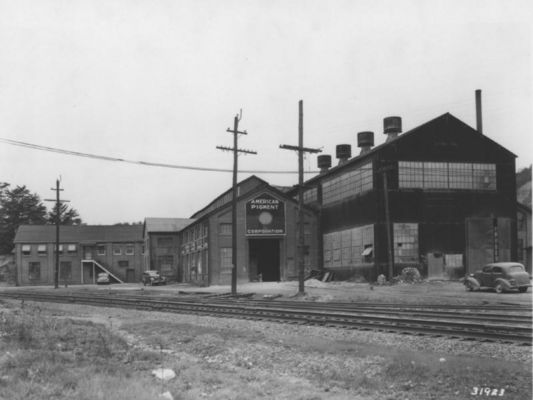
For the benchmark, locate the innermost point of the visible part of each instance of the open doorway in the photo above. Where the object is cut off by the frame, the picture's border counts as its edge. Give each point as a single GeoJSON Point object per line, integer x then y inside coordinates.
{"type": "Point", "coordinates": [264, 259]}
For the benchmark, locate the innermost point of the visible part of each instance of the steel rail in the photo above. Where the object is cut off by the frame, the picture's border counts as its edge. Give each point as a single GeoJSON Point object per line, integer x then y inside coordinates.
{"type": "Point", "coordinates": [435, 327]}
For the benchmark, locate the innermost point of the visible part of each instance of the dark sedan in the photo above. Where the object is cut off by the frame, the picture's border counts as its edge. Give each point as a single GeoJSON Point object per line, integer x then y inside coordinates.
{"type": "Point", "coordinates": [153, 277]}
{"type": "Point", "coordinates": [501, 276]}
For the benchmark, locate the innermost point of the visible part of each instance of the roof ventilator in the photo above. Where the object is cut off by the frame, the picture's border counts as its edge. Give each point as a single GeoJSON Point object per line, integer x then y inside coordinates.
{"type": "Point", "coordinates": [392, 127]}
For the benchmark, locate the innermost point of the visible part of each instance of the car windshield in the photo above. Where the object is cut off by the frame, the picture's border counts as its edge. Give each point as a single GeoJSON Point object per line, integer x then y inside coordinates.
{"type": "Point", "coordinates": [154, 273]}
{"type": "Point", "coordinates": [516, 268]}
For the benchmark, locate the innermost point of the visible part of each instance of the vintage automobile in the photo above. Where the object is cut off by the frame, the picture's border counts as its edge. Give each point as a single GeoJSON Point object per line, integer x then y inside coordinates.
{"type": "Point", "coordinates": [103, 278]}
{"type": "Point", "coordinates": [153, 277]}
{"type": "Point", "coordinates": [501, 276]}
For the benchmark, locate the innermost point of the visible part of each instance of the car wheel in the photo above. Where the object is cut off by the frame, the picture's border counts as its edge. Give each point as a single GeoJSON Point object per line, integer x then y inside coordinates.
{"type": "Point", "coordinates": [522, 289]}
{"type": "Point", "coordinates": [499, 288]}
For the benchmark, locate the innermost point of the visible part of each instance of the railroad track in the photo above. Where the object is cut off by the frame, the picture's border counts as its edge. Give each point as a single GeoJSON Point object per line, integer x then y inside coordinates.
{"type": "Point", "coordinates": [498, 324]}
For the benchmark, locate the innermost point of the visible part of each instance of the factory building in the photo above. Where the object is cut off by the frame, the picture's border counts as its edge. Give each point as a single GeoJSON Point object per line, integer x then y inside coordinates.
{"type": "Point", "coordinates": [266, 237]}
{"type": "Point", "coordinates": [440, 197]}
{"type": "Point", "coordinates": [161, 245]}
{"type": "Point", "coordinates": [84, 251]}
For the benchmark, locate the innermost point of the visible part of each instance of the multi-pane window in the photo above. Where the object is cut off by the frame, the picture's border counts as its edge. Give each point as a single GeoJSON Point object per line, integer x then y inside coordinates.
{"type": "Point", "coordinates": [484, 176]}
{"type": "Point", "coordinates": [405, 243]}
{"type": "Point", "coordinates": [100, 250]}
{"type": "Point", "coordinates": [225, 260]}
{"type": "Point", "coordinates": [117, 250]}
{"type": "Point", "coordinates": [431, 175]}
{"type": "Point", "coordinates": [123, 264]}
{"type": "Point", "coordinates": [348, 184]}
{"type": "Point", "coordinates": [310, 196]}
{"type": "Point", "coordinates": [41, 249]}
{"type": "Point", "coordinates": [224, 229]}
{"type": "Point", "coordinates": [436, 175]}
{"type": "Point", "coordinates": [165, 264]}
{"type": "Point", "coordinates": [26, 249]}
{"type": "Point", "coordinates": [129, 250]}
{"type": "Point", "coordinates": [65, 270]}
{"type": "Point", "coordinates": [34, 271]}
{"type": "Point", "coordinates": [350, 247]}
{"type": "Point", "coordinates": [71, 248]}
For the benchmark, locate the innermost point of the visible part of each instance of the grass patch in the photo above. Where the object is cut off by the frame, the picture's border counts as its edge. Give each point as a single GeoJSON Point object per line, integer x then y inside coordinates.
{"type": "Point", "coordinates": [60, 358]}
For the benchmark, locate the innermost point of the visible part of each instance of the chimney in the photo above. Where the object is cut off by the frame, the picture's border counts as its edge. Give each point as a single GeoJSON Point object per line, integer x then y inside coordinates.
{"type": "Point", "coordinates": [344, 152]}
{"type": "Point", "coordinates": [324, 162]}
{"type": "Point", "coordinates": [365, 140]}
{"type": "Point", "coordinates": [392, 126]}
{"type": "Point", "coordinates": [479, 119]}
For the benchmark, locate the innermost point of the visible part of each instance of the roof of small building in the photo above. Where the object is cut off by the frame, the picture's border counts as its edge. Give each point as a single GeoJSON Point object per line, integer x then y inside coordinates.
{"type": "Point", "coordinates": [79, 233]}
{"type": "Point", "coordinates": [166, 224]}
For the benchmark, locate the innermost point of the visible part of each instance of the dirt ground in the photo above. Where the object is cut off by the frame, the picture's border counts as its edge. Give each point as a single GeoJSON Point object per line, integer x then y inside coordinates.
{"type": "Point", "coordinates": [430, 292]}
{"type": "Point", "coordinates": [108, 353]}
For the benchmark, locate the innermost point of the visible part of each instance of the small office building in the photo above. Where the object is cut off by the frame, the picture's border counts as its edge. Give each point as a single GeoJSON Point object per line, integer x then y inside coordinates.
{"type": "Point", "coordinates": [84, 251]}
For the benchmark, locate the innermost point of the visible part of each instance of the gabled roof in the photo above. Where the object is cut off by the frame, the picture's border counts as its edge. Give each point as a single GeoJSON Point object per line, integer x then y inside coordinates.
{"type": "Point", "coordinates": [446, 118]}
{"type": "Point", "coordinates": [240, 184]}
{"type": "Point", "coordinates": [263, 186]}
{"type": "Point", "coordinates": [79, 233]}
{"type": "Point", "coordinates": [166, 224]}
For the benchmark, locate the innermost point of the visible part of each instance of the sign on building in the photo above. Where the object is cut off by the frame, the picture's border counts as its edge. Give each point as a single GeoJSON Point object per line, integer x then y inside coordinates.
{"type": "Point", "coordinates": [265, 215]}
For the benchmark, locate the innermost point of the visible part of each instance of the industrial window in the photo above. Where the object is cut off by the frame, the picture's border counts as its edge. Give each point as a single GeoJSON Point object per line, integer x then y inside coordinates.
{"type": "Point", "coordinates": [225, 260]}
{"type": "Point", "coordinates": [41, 249]}
{"type": "Point", "coordinates": [71, 248]}
{"type": "Point", "coordinates": [123, 263]}
{"type": "Point", "coordinates": [117, 250]}
{"type": "Point", "coordinates": [406, 243]}
{"type": "Point", "coordinates": [348, 184]}
{"type": "Point", "coordinates": [224, 229]}
{"type": "Point", "coordinates": [432, 175]}
{"type": "Point", "coordinates": [60, 248]}
{"type": "Point", "coordinates": [34, 271]}
{"type": "Point", "coordinates": [100, 250]}
{"type": "Point", "coordinates": [65, 270]}
{"type": "Point", "coordinates": [130, 250]}
{"type": "Point", "coordinates": [165, 264]}
{"type": "Point", "coordinates": [26, 249]}
{"type": "Point", "coordinates": [350, 247]}
{"type": "Point", "coordinates": [310, 196]}
{"type": "Point", "coordinates": [484, 176]}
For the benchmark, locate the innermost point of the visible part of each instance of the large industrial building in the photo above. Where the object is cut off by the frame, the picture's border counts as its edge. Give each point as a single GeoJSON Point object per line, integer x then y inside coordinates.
{"type": "Point", "coordinates": [266, 237]}
{"type": "Point", "coordinates": [441, 197]}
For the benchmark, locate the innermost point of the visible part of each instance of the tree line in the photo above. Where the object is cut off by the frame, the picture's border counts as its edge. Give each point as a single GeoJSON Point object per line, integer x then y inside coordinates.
{"type": "Point", "coordinates": [19, 206]}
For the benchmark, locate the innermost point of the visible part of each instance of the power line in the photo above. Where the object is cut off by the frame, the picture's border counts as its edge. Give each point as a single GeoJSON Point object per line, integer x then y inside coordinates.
{"type": "Point", "coordinates": [137, 162]}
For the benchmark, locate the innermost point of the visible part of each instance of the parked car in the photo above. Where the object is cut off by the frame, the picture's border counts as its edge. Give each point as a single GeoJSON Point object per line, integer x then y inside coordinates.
{"type": "Point", "coordinates": [501, 276]}
{"type": "Point", "coordinates": [103, 278]}
{"type": "Point", "coordinates": [153, 277]}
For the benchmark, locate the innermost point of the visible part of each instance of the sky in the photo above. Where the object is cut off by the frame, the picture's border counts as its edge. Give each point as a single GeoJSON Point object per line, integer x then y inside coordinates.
{"type": "Point", "coordinates": [160, 81]}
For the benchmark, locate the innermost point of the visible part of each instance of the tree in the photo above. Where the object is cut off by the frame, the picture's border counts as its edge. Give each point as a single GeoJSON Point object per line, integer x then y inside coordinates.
{"type": "Point", "coordinates": [68, 215]}
{"type": "Point", "coordinates": [18, 206]}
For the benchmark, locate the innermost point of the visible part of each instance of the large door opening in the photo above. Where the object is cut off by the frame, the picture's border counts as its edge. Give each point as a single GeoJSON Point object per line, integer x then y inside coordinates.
{"type": "Point", "coordinates": [264, 259]}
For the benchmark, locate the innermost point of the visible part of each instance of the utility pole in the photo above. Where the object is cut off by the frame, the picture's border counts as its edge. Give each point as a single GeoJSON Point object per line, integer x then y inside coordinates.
{"type": "Point", "coordinates": [236, 152]}
{"type": "Point", "coordinates": [58, 202]}
{"type": "Point", "coordinates": [390, 252]}
{"type": "Point", "coordinates": [301, 149]}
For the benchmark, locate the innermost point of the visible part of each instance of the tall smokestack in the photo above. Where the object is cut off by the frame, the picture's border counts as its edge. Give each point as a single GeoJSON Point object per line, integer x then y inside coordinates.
{"type": "Point", "coordinates": [479, 117]}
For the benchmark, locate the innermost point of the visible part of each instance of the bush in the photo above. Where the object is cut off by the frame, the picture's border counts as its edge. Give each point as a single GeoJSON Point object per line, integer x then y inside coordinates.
{"type": "Point", "coordinates": [410, 275]}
